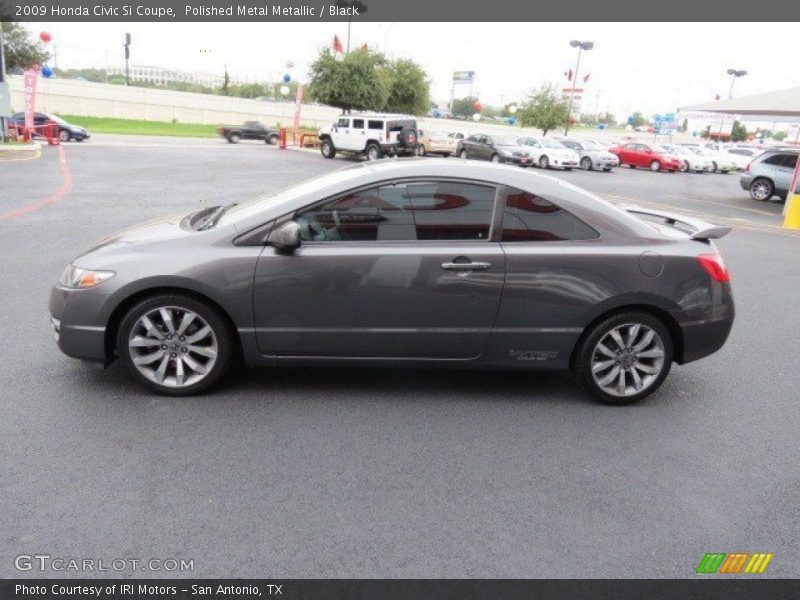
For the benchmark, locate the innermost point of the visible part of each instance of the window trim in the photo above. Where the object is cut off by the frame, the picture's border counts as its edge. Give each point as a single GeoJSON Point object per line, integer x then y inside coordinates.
{"type": "Point", "coordinates": [494, 230]}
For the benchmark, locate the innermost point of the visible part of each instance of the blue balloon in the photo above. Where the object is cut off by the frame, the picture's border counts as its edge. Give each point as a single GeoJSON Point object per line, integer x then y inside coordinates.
{"type": "Point", "coordinates": [47, 71]}
{"type": "Point", "coordinates": [512, 120]}
{"type": "Point", "coordinates": [286, 78]}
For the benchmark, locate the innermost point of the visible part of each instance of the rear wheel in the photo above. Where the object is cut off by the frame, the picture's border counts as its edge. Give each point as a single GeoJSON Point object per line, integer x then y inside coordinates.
{"type": "Point", "coordinates": [327, 149]}
{"type": "Point", "coordinates": [714, 167]}
{"type": "Point", "coordinates": [586, 163]}
{"type": "Point", "coordinates": [495, 158]}
{"type": "Point", "coordinates": [272, 140]}
{"type": "Point", "coordinates": [462, 154]}
{"type": "Point", "coordinates": [624, 358]}
{"type": "Point", "coordinates": [655, 166]}
{"type": "Point", "coordinates": [421, 150]}
{"type": "Point", "coordinates": [685, 166]}
{"type": "Point", "coordinates": [175, 344]}
{"type": "Point", "coordinates": [373, 152]}
{"type": "Point", "coordinates": [234, 138]}
{"type": "Point", "coordinates": [762, 189]}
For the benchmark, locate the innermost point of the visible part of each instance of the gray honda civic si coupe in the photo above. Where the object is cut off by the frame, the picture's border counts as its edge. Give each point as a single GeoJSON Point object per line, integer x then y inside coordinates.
{"type": "Point", "coordinates": [412, 262]}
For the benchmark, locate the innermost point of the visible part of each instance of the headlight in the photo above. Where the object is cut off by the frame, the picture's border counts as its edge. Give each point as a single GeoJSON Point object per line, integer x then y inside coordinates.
{"type": "Point", "coordinates": [75, 277]}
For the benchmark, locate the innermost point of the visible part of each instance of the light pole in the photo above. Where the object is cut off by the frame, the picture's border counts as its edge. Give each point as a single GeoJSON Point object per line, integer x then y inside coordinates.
{"type": "Point", "coordinates": [351, 6]}
{"type": "Point", "coordinates": [581, 46]}
{"type": "Point", "coordinates": [734, 73]}
{"type": "Point", "coordinates": [3, 134]}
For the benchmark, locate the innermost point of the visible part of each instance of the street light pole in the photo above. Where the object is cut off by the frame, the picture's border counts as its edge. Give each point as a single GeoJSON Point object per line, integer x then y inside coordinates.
{"type": "Point", "coordinates": [3, 127]}
{"type": "Point", "coordinates": [734, 73]}
{"type": "Point", "coordinates": [581, 46]}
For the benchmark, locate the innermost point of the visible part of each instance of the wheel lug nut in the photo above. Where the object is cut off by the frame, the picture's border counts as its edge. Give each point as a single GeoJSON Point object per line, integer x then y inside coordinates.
{"type": "Point", "coordinates": [163, 346]}
{"type": "Point", "coordinates": [184, 349]}
{"type": "Point", "coordinates": [182, 338]}
{"type": "Point", "coordinates": [173, 355]}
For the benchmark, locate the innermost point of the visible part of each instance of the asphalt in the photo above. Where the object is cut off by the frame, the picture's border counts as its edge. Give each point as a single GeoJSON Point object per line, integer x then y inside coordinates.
{"type": "Point", "coordinates": [380, 473]}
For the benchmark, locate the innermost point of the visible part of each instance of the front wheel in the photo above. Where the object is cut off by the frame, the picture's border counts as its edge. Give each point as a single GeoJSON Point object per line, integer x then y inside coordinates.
{"type": "Point", "coordinates": [544, 162]}
{"type": "Point", "coordinates": [624, 358]}
{"type": "Point", "coordinates": [586, 163]}
{"type": "Point", "coordinates": [495, 158]}
{"type": "Point", "coordinates": [462, 154]}
{"type": "Point", "coordinates": [327, 149]}
{"type": "Point", "coordinates": [714, 167]}
{"type": "Point", "coordinates": [655, 166]}
{"type": "Point", "coordinates": [374, 152]}
{"type": "Point", "coordinates": [175, 344]}
{"type": "Point", "coordinates": [272, 140]}
{"type": "Point", "coordinates": [64, 135]}
{"type": "Point", "coordinates": [234, 138]}
{"type": "Point", "coordinates": [685, 167]}
{"type": "Point", "coordinates": [420, 150]}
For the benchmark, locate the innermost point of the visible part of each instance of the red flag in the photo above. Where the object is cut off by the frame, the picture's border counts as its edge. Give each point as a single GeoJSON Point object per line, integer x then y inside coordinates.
{"type": "Point", "coordinates": [586, 77]}
{"type": "Point", "coordinates": [337, 45]}
{"type": "Point", "coordinates": [569, 75]}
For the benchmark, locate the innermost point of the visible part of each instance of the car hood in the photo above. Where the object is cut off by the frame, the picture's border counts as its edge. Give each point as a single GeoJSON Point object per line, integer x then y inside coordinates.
{"type": "Point", "coordinates": [160, 230]}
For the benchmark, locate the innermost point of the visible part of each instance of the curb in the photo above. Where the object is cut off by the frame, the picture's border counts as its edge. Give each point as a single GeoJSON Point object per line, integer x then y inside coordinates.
{"type": "Point", "coordinates": [11, 152]}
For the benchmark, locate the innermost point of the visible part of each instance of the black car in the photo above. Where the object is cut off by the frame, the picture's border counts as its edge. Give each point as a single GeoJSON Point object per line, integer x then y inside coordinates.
{"type": "Point", "coordinates": [66, 131]}
{"type": "Point", "coordinates": [494, 148]}
{"type": "Point", "coordinates": [251, 130]}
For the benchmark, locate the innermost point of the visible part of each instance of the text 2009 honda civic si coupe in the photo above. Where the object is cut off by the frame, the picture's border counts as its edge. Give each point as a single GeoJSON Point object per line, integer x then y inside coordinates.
{"type": "Point", "coordinates": [408, 262]}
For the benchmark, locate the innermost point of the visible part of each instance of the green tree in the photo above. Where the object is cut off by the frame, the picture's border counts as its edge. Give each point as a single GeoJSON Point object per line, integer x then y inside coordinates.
{"type": "Point", "coordinates": [779, 136]}
{"type": "Point", "coordinates": [357, 80]}
{"type": "Point", "coordinates": [464, 107]}
{"type": "Point", "coordinates": [638, 119]}
{"type": "Point", "coordinates": [226, 83]}
{"type": "Point", "coordinates": [739, 132]}
{"type": "Point", "coordinates": [409, 88]}
{"type": "Point", "coordinates": [21, 51]}
{"type": "Point", "coordinates": [544, 109]}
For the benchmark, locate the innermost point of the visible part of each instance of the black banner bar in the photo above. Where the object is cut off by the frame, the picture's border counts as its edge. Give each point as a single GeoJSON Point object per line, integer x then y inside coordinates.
{"type": "Point", "coordinates": [441, 11]}
{"type": "Point", "coordinates": [401, 589]}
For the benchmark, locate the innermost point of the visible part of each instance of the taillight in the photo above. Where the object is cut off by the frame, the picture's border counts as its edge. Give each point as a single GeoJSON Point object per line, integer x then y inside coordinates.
{"type": "Point", "coordinates": [714, 266]}
{"type": "Point", "coordinates": [747, 168]}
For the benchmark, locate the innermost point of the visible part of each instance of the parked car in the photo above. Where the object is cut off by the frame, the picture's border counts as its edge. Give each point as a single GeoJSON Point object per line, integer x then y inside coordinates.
{"type": "Point", "coordinates": [741, 157]}
{"type": "Point", "coordinates": [591, 155]}
{"type": "Point", "coordinates": [420, 262]}
{"type": "Point", "coordinates": [635, 154]}
{"type": "Point", "coordinates": [370, 135]}
{"type": "Point", "coordinates": [434, 142]}
{"type": "Point", "coordinates": [549, 152]}
{"type": "Point", "coordinates": [66, 131]}
{"type": "Point", "coordinates": [251, 130]}
{"type": "Point", "coordinates": [719, 162]}
{"type": "Point", "coordinates": [497, 149]}
{"type": "Point", "coordinates": [770, 173]}
{"type": "Point", "coordinates": [690, 161]}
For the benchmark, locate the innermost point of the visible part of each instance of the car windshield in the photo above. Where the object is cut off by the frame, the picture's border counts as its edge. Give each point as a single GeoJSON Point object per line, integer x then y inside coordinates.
{"type": "Point", "coordinates": [259, 203]}
{"type": "Point", "coordinates": [547, 143]}
{"type": "Point", "coordinates": [591, 146]}
{"type": "Point", "coordinates": [504, 141]}
{"type": "Point", "coordinates": [662, 150]}
{"type": "Point", "coordinates": [55, 118]}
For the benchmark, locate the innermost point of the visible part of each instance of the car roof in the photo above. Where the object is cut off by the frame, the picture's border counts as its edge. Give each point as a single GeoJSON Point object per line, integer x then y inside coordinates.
{"type": "Point", "coordinates": [378, 116]}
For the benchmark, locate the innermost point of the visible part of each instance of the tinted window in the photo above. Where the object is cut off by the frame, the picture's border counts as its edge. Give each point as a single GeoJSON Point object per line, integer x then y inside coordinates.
{"type": "Point", "coordinates": [629, 146]}
{"type": "Point", "coordinates": [437, 210]}
{"type": "Point", "coordinates": [530, 218]}
{"type": "Point", "coordinates": [775, 160]}
{"type": "Point", "coordinates": [375, 124]}
{"type": "Point", "coordinates": [358, 123]}
{"type": "Point", "coordinates": [789, 160]}
{"type": "Point", "coordinates": [343, 123]}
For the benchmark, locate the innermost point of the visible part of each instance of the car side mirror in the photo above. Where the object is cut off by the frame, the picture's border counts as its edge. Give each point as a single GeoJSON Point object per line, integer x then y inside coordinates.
{"type": "Point", "coordinates": [286, 236]}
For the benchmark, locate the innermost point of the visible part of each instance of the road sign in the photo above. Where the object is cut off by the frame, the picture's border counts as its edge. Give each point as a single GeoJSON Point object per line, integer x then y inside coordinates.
{"type": "Point", "coordinates": [464, 76]}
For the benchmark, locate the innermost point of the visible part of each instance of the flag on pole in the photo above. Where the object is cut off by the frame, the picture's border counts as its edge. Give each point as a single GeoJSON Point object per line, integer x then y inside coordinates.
{"type": "Point", "coordinates": [586, 77]}
{"type": "Point", "coordinates": [568, 75]}
{"type": "Point", "coordinates": [337, 45]}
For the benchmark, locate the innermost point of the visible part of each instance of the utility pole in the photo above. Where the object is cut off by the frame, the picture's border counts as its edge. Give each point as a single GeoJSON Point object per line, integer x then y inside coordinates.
{"type": "Point", "coordinates": [127, 58]}
{"type": "Point", "coordinates": [3, 84]}
{"type": "Point", "coordinates": [580, 46]}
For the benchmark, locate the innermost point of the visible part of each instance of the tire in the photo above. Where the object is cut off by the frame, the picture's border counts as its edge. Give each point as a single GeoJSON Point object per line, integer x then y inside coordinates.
{"type": "Point", "coordinates": [586, 163]}
{"type": "Point", "coordinates": [685, 167]}
{"type": "Point", "coordinates": [607, 170]}
{"type": "Point", "coordinates": [373, 151]}
{"type": "Point", "coordinates": [272, 140]}
{"type": "Point", "coordinates": [568, 168]}
{"type": "Point", "coordinates": [495, 158]}
{"type": "Point", "coordinates": [651, 370]}
{"type": "Point", "coordinates": [713, 166]}
{"type": "Point", "coordinates": [762, 189]}
{"type": "Point", "coordinates": [655, 166]}
{"type": "Point", "coordinates": [631, 166]}
{"type": "Point", "coordinates": [445, 155]}
{"type": "Point", "coordinates": [420, 150]}
{"type": "Point", "coordinates": [234, 138]}
{"type": "Point", "coordinates": [408, 136]}
{"type": "Point", "coordinates": [462, 154]}
{"type": "Point", "coordinates": [64, 135]}
{"type": "Point", "coordinates": [544, 162]}
{"type": "Point", "coordinates": [185, 371]}
{"type": "Point", "coordinates": [327, 149]}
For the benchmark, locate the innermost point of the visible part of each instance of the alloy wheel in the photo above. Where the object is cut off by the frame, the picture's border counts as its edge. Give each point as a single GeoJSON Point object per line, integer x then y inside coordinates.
{"type": "Point", "coordinates": [586, 163]}
{"type": "Point", "coordinates": [760, 190]}
{"type": "Point", "coordinates": [628, 359]}
{"type": "Point", "coordinates": [173, 346]}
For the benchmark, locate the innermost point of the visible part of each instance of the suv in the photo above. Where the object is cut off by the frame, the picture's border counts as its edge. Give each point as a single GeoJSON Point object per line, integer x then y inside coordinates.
{"type": "Point", "coordinates": [770, 173]}
{"type": "Point", "coordinates": [371, 135]}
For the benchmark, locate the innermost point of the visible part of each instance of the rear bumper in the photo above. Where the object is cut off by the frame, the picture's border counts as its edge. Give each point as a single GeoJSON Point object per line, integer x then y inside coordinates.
{"type": "Point", "coordinates": [706, 331]}
{"type": "Point", "coordinates": [745, 180]}
{"type": "Point", "coordinates": [76, 334]}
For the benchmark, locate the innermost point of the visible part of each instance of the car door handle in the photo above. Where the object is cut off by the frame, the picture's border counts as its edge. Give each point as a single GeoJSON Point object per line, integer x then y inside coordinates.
{"type": "Point", "coordinates": [466, 266]}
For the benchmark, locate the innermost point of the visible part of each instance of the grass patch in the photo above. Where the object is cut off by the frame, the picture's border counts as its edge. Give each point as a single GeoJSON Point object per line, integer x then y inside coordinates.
{"type": "Point", "coordinates": [136, 127]}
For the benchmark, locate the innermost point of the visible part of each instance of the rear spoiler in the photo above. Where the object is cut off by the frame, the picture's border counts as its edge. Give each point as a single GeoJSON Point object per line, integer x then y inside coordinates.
{"type": "Point", "coordinates": [695, 228]}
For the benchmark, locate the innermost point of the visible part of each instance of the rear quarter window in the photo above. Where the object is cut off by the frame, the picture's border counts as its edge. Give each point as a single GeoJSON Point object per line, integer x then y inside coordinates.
{"type": "Point", "coordinates": [531, 218]}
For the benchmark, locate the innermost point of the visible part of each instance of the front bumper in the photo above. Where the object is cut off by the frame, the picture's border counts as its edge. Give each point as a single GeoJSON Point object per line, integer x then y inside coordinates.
{"type": "Point", "coordinates": [566, 163]}
{"type": "Point", "coordinates": [522, 161]}
{"type": "Point", "coordinates": [72, 314]}
{"type": "Point", "coordinates": [604, 163]}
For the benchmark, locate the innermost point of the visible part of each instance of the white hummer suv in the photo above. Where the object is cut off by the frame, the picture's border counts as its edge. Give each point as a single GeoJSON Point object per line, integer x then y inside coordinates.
{"type": "Point", "coordinates": [373, 135]}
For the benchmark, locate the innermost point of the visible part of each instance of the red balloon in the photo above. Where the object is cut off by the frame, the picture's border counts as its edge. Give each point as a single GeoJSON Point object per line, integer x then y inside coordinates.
{"type": "Point", "coordinates": [477, 106]}
{"type": "Point", "coordinates": [45, 37]}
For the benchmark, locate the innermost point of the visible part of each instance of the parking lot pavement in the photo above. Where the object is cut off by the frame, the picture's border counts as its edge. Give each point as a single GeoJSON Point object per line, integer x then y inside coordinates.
{"type": "Point", "coordinates": [373, 473]}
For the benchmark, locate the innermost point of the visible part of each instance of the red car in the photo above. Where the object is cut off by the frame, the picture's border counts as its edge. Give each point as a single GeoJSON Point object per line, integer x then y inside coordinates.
{"type": "Point", "coordinates": [648, 156]}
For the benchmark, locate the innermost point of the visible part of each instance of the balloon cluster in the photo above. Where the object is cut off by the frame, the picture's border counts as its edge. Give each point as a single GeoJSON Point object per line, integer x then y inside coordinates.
{"type": "Point", "coordinates": [46, 71]}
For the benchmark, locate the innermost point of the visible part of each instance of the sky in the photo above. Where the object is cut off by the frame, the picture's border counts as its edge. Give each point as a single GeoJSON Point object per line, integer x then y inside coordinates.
{"type": "Point", "coordinates": [650, 67]}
